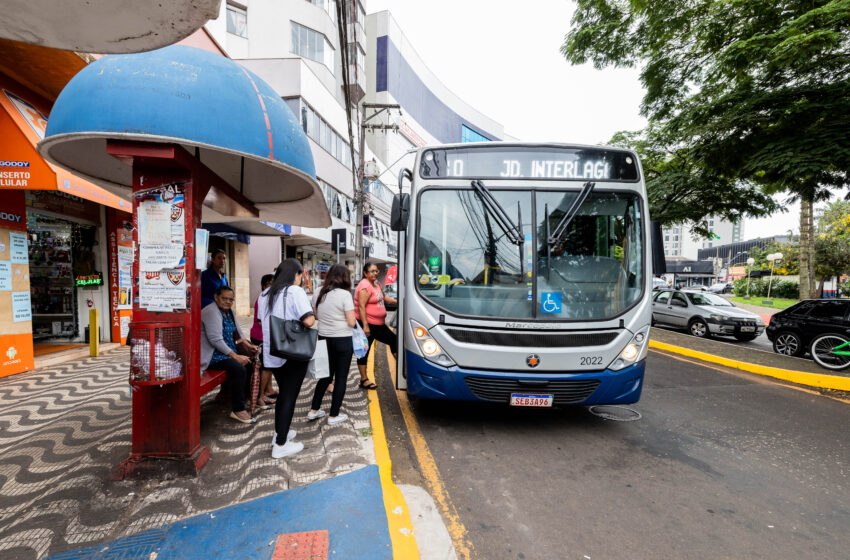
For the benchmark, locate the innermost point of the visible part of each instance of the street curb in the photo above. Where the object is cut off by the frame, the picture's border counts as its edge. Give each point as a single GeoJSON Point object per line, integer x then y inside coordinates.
{"type": "Point", "coordinates": [399, 522]}
{"type": "Point", "coordinates": [819, 380]}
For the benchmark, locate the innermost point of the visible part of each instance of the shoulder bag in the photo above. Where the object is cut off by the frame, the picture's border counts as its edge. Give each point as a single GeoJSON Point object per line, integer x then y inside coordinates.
{"type": "Point", "coordinates": [290, 339]}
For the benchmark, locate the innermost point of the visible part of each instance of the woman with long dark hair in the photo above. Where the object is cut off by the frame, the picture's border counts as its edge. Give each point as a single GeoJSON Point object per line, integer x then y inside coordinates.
{"type": "Point", "coordinates": [334, 309]}
{"type": "Point", "coordinates": [285, 299]}
{"type": "Point", "coordinates": [371, 314]}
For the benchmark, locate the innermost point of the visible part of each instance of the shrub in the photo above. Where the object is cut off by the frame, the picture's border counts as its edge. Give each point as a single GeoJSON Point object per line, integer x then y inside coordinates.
{"type": "Point", "coordinates": [784, 289]}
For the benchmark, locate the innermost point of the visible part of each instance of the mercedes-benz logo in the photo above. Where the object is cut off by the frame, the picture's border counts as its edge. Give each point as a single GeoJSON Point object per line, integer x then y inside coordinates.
{"type": "Point", "coordinates": [533, 360]}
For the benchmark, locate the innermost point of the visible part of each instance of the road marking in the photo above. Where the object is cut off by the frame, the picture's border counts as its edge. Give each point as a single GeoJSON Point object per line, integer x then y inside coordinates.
{"type": "Point", "coordinates": [398, 515]}
{"type": "Point", "coordinates": [765, 381]}
{"type": "Point", "coordinates": [823, 381]}
{"type": "Point", "coordinates": [428, 466]}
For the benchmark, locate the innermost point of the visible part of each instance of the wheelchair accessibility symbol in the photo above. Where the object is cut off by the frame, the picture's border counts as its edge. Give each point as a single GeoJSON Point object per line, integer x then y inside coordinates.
{"type": "Point", "coordinates": [551, 302]}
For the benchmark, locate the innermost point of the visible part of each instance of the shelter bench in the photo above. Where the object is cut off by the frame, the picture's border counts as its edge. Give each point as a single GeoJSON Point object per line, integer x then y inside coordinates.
{"type": "Point", "coordinates": [211, 379]}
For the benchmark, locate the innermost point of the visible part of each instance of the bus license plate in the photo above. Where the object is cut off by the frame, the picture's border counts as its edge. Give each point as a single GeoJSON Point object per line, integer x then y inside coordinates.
{"type": "Point", "coordinates": [748, 329]}
{"type": "Point", "coordinates": [523, 399]}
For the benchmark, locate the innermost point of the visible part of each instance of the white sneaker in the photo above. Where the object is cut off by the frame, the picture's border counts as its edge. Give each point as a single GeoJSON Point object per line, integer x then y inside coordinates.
{"type": "Point", "coordinates": [291, 448]}
{"type": "Point", "coordinates": [290, 435]}
{"type": "Point", "coordinates": [315, 415]}
{"type": "Point", "coordinates": [342, 417]}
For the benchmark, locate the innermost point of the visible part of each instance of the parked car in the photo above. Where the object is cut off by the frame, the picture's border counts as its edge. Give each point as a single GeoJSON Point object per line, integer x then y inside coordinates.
{"type": "Point", "coordinates": [704, 314]}
{"type": "Point", "coordinates": [696, 288]}
{"type": "Point", "coordinates": [721, 288]}
{"type": "Point", "coordinates": [793, 329]}
{"type": "Point", "coordinates": [659, 283]}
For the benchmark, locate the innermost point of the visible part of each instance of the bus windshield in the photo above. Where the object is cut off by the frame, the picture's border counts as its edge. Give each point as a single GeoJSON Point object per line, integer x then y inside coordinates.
{"type": "Point", "coordinates": [468, 264]}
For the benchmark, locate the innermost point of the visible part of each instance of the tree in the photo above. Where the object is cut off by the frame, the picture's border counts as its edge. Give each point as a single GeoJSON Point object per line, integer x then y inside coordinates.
{"type": "Point", "coordinates": [788, 266]}
{"type": "Point", "coordinates": [832, 243]}
{"type": "Point", "coordinates": [754, 90]}
{"type": "Point", "coordinates": [682, 190]}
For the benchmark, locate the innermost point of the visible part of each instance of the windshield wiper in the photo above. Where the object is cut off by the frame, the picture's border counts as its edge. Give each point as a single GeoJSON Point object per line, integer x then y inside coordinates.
{"type": "Point", "coordinates": [569, 215]}
{"type": "Point", "coordinates": [513, 231]}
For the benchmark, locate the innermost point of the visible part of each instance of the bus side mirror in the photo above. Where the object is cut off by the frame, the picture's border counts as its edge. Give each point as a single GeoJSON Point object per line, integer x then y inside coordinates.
{"type": "Point", "coordinates": [659, 264]}
{"type": "Point", "coordinates": [400, 212]}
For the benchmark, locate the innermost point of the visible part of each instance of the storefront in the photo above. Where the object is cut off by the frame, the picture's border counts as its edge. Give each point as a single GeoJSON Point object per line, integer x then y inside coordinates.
{"type": "Point", "coordinates": [62, 235]}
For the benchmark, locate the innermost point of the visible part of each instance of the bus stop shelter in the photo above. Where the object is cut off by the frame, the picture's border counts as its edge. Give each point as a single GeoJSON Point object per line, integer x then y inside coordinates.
{"type": "Point", "coordinates": [186, 134]}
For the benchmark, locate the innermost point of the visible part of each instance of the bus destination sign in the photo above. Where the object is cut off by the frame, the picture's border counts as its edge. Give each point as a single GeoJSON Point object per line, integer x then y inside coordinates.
{"type": "Point", "coordinates": [544, 162]}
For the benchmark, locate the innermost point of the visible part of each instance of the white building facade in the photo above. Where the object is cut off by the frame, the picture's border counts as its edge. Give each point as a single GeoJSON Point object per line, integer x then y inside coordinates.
{"type": "Point", "coordinates": [681, 241]}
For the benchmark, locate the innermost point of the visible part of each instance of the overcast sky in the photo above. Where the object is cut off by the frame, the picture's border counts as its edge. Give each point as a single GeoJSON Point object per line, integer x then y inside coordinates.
{"type": "Point", "coordinates": [503, 58]}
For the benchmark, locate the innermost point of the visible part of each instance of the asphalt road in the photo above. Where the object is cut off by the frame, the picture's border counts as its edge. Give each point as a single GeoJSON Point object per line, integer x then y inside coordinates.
{"type": "Point", "coordinates": [721, 465]}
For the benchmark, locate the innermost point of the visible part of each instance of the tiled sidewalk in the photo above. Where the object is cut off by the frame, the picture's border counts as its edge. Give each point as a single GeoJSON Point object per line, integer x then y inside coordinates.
{"type": "Point", "coordinates": [63, 429]}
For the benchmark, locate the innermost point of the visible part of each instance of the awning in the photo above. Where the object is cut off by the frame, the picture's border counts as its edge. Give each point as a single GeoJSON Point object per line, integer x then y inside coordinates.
{"type": "Point", "coordinates": [22, 126]}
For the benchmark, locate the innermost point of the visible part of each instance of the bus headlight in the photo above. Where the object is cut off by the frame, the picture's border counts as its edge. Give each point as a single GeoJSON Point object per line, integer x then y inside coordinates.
{"type": "Point", "coordinates": [633, 352]}
{"type": "Point", "coordinates": [429, 347]}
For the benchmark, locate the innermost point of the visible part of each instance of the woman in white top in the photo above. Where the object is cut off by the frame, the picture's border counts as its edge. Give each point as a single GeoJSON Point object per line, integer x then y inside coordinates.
{"type": "Point", "coordinates": [285, 290]}
{"type": "Point", "coordinates": [334, 309]}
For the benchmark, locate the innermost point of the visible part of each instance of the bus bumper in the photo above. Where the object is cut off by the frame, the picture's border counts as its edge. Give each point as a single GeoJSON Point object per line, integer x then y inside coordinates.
{"type": "Point", "coordinates": [427, 380]}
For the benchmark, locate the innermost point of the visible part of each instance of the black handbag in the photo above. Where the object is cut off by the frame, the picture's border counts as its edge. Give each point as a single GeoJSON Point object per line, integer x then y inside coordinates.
{"type": "Point", "coordinates": [290, 339]}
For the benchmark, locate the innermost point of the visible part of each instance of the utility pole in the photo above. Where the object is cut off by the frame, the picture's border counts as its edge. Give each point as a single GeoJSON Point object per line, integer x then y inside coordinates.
{"type": "Point", "coordinates": [359, 191]}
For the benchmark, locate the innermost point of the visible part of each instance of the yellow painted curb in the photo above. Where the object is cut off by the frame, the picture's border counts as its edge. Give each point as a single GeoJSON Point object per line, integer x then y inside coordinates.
{"type": "Point", "coordinates": [428, 466]}
{"type": "Point", "coordinates": [398, 514]}
{"type": "Point", "coordinates": [823, 381]}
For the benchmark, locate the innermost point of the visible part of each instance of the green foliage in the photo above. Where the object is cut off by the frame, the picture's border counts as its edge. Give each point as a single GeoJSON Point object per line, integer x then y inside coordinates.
{"type": "Point", "coordinates": [749, 90]}
{"type": "Point", "coordinates": [844, 288]}
{"type": "Point", "coordinates": [832, 241]}
{"type": "Point", "coordinates": [682, 190]}
{"type": "Point", "coordinates": [785, 289]}
{"type": "Point", "coordinates": [788, 266]}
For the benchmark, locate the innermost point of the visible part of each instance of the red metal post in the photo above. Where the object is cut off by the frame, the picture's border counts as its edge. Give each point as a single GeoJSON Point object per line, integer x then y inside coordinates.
{"type": "Point", "coordinates": [166, 418]}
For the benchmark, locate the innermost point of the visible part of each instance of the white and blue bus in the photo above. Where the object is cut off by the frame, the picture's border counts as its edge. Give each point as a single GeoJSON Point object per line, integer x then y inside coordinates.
{"type": "Point", "coordinates": [525, 274]}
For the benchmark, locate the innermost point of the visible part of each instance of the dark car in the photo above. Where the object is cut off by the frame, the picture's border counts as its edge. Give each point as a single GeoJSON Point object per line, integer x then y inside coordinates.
{"type": "Point", "coordinates": [792, 330]}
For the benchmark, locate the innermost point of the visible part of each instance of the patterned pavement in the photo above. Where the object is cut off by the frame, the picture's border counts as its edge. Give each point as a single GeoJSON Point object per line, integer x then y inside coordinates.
{"type": "Point", "coordinates": [63, 429]}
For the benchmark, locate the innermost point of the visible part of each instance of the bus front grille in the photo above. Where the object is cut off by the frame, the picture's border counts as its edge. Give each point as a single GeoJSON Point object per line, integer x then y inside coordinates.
{"type": "Point", "coordinates": [532, 340]}
{"type": "Point", "coordinates": [565, 391]}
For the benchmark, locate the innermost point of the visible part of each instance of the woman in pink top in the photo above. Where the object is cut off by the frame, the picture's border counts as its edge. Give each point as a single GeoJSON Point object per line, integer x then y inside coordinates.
{"type": "Point", "coordinates": [370, 300]}
{"type": "Point", "coordinates": [266, 389]}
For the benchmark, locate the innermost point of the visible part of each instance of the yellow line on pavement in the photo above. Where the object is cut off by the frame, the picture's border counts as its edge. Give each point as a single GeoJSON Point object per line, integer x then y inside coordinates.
{"type": "Point", "coordinates": [398, 515]}
{"type": "Point", "coordinates": [765, 381]}
{"type": "Point", "coordinates": [803, 378]}
{"type": "Point", "coordinates": [433, 480]}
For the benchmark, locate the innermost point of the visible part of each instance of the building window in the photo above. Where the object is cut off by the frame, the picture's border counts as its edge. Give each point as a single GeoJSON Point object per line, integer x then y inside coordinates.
{"type": "Point", "coordinates": [237, 21]}
{"type": "Point", "coordinates": [312, 44]}
{"type": "Point", "coordinates": [339, 205]}
{"type": "Point", "coordinates": [359, 56]}
{"type": "Point", "coordinates": [359, 17]}
{"type": "Point", "coordinates": [321, 132]}
{"type": "Point", "coordinates": [328, 6]}
{"type": "Point", "coordinates": [469, 135]}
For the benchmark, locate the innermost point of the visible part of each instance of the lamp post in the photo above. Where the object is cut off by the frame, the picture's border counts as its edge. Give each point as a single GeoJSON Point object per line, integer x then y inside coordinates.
{"type": "Point", "coordinates": [750, 262]}
{"type": "Point", "coordinates": [773, 258]}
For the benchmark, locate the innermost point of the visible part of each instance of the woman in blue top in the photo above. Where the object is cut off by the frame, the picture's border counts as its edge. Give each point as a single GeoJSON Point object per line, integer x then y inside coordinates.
{"type": "Point", "coordinates": [220, 336]}
{"type": "Point", "coordinates": [286, 289]}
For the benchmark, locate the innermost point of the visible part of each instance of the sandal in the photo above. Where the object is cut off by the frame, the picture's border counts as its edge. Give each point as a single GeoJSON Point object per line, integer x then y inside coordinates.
{"type": "Point", "coordinates": [367, 384]}
{"type": "Point", "coordinates": [268, 401]}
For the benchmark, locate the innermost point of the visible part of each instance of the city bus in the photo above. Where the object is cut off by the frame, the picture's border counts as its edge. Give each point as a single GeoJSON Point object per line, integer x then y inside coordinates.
{"type": "Point", "coordinates": [525, 274]}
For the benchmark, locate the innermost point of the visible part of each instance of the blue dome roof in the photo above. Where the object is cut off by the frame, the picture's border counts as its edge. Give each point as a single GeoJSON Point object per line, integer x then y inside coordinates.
{"type": "Point", "coordinates": [236, 123]}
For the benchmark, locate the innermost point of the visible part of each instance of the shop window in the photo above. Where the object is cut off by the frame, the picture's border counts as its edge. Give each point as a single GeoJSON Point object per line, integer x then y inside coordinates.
{"type": "Point", "coordinates": [59, 251]}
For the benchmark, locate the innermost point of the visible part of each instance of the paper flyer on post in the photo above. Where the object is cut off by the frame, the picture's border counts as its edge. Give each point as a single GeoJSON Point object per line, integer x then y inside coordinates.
{"type": "Point", "coordinates": [162, 238]}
